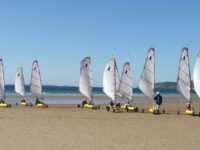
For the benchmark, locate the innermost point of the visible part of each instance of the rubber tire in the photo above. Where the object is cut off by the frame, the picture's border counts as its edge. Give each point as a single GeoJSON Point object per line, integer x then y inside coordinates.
{"type": "Point", "coordinates": [193, 114]}
{"type": "Point", "coordinates": [136, 109]}
{"type": "Point", "coordinates": [163, 111]}
{"type": "Point", "coordinates": [113, 110]}
{"type": "Point", "coordinates": [178, 112]}
{"type": "Point", "coordinates": [143, 110]}
{"type": "Point", "coordinates": [157, 112]}
{"type": "Point", "coordinates": [46, 106]}
{"type": "Point", "coordinates": [99, 106]}
{"type": "Point", "coordinates": [107, 108]}
{"type": "Point", "coordinates": [154, 112]}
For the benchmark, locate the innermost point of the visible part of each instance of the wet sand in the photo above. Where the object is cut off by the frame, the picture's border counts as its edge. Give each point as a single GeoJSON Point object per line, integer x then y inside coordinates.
{"type": "Point", "coordinates": [61, 127]}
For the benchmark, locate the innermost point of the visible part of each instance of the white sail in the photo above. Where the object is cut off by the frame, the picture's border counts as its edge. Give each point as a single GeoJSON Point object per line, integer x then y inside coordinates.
{"type": "Point", "coordinates": [126, 87]}
{"type": "Point", "coordinates": [184, 79]}
{"type": "Point", "coordinates": [147, 80]}
{"type": "Point", "coordinates": [196, 75]}
{"type": "Point", "coordinates": [111, 79]}
{"type": "Point", "coordinates": [19, 82]}
{"type": "Point", "coordinates": [35, 84]}
{"type": "Point", "coordinates": [85, 83]}
{"type": "Point", "coordinates": [2, 81]}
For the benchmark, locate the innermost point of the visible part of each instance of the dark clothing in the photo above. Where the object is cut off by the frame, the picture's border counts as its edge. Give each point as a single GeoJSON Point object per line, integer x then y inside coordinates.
{"type": "Point", "coordinates": [158, 99]}
{"type": "Point", "coordinates": [23, 100]}
{"type": "Point", "coordinates": [38, 102]}
{"type": "Point", "coordinates": [2, 101]}
{"type": "Point", "coordinates": [84, 102]}
{"type": "Point", "coordinates": [118, 105]}
{"type": "Point", "coordinates": [112, 103]}
{"type": "Point", "coordinates": [188, 107]}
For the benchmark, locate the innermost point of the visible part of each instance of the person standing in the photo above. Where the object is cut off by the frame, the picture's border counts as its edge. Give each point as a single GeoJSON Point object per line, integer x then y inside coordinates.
{"type": "Point", "coordinates": [158, 100]}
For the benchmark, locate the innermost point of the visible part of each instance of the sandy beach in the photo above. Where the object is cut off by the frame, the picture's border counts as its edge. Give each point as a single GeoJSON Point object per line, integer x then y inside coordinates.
{"type": "Point", "coordinates": [67, 127]}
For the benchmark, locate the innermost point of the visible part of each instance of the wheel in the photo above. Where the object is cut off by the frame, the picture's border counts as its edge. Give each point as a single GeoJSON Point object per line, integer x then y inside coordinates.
{"type": "Point", "coordinates": [154, 112]}
{"type": "Point", "coordinates": [136, 109]}
{"type": "Point", "coordinates": [178, 112]}
{"type": "Point", "coordinates": [113, 110]}
{"type": "Point", "coordinates": [143, 110]}
{"type": "Point", "coordinates": [46, 106]}
{"type": "Point", "coordinates": [107, 108]}
{"type": "Point", "coordinates": [31, 104]}
{"type": "Point", "coordinates": [98, 106]}
{"type": "Point", "coordinates": [163, 111]}
{"type": "Point", "coordinates": [193, 114]}
{"type": "Point", "coordinates": [157, 112]}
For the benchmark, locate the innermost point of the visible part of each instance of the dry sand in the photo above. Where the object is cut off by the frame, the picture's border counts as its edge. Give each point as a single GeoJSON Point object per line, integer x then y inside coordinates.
{"type": "Point", "coordinates": [65, 127]}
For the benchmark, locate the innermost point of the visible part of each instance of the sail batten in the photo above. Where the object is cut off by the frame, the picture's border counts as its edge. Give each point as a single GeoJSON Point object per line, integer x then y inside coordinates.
{"type": "Point", "coordinates": [19, 82]}
{"type": "Point", "coordinates": [36, 84]}
{"type": "Point", "coordinates": [85, 82]}
{"type": "Point", "coordinates": [125, 87]}
{"type": "Point", "coordinates": [111, 79]}
{"type": "Point", "coordinates": [147, 79]}
{"type": "Point", "coordinates": [196, 75]}
{"type": "Point", "coordinates": [184, 79]}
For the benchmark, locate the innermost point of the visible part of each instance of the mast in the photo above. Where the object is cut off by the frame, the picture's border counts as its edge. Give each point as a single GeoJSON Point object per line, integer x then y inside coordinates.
{"type": "Point", "coordinates": [196, 75]}
{"type": "Point", "coordinates": [147, 80]}
{"type": "Point", "coordinates": [114, 75]}
{"type": "Point", "coordinates": [85, 83]}
{"type": "Point", "coordinates": [111, 79]}
{"type": "Point", "coordinates": [184, 78]}
{"type": "Point", "coordinates": [126, 87]}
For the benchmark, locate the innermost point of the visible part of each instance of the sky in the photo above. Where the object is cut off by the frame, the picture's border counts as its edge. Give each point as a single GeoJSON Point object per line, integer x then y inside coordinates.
{"type": "Point", "coordinates": [59, 33]}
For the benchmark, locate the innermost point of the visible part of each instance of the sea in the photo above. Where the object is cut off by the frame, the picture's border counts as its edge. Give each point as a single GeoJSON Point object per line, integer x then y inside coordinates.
{"type": "Point", "coordinates": [73, 90]}
{"type": "Point", "coordinates": [52, 89]}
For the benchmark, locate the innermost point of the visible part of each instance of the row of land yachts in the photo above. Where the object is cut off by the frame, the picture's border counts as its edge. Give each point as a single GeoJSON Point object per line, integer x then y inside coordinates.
{"type": "Point", "coordinates": [113, 86]}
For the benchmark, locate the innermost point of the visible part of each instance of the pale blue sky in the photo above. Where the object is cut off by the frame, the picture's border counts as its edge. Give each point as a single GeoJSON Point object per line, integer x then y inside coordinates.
{"type": "Point", "coordinates": [59, 33]}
